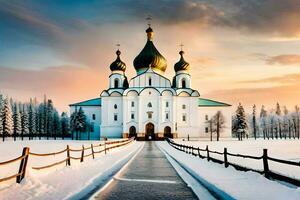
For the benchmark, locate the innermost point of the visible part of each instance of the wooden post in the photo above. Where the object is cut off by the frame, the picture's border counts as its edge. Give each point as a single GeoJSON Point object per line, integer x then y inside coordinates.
{"type": "Point", "coordinates": [68, 156]}
{"type": "Point", "coordinates": [199, 152]}
{"type": "Point", "coordinates": [92, 148]}
{"type": "Point", "coordinates": [225, 158]}
{"type": "Point", "coordinates": [207, 152]}
{"type": "Point", "coordinates": [23, 164]}
{"type": "Point", "coordinates": [265, 162]}
{"type": "Point", "coordinates": [104, 147]}
{"type": "Point", "coordinates": [82, 154]}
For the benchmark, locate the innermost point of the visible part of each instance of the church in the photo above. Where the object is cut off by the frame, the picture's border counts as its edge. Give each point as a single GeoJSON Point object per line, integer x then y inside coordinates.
{"type": "Point", "coordinates": [149, 105]}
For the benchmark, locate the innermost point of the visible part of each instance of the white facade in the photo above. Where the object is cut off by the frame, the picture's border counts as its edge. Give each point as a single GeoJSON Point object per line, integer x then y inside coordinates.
{"type": "Point", "coordinates": [150, 105]}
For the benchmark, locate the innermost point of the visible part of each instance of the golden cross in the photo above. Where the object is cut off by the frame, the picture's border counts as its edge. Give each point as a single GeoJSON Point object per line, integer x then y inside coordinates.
{"type": "Point", "coordinates": [181, 46]}
{"type": "Point", "coordinates": [118, 45]}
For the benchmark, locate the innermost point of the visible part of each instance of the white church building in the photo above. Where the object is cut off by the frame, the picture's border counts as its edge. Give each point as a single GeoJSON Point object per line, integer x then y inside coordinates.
{"type": "Point", "coordinates": [150, 105]}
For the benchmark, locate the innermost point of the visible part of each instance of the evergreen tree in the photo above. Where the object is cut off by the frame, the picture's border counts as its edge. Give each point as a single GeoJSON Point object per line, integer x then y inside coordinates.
{"type": "Point", "coordinates": [263, 121]}
{"type": "Point", "coordinates": [1, 121]}
{"type": "Point", "coordinates": [41, 120]}
{"type": "Point", "coordinates": [254, 123]}
{"type": "Point", "coordinates": [65, 128]}
{"type": "Point", "coordinates": [49, 117]}
{"type": "Point", "coordinates": [78, 121]}
{"type": "Point", "coordinates": [7, 119]}
{"type": "Point", "coordinates": [31, 119]}
{"type": "Point", "coordinates": [279, 121]}
{"type": "Point", "coordinates": [56, 129]}
{"type": "Point", "coordinates": [17, 120]}
{"type": "Point", "coordinates": [24, 122]}
{"type": "Point", "coordinates": [241, 121]}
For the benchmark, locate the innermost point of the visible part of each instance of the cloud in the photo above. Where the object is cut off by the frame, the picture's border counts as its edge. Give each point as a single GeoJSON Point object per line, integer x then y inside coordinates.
{"type": "Point", "coordinates": [289, 79]}
{"type": "Point", "coordinates": [287, 59]}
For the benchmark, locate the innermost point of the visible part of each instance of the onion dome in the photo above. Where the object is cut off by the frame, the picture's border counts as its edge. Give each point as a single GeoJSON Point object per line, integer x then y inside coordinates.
{"type": "Point", "coordinates": [118, 64]}
{"type": "Point", "coordinates": [149, 56]}
{"type": "Point", "coordinates": [181, 64]}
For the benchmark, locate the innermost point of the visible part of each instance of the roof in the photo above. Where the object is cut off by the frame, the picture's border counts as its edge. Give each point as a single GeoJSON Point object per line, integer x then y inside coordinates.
{"type": "Point", "coordinates": [210, 103]}
{"type": "Point", "coordinates": [90, 102]}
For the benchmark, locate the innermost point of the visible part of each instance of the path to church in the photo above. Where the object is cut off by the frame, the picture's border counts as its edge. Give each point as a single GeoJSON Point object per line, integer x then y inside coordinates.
{"type": "Point", "coordinates": [148, 176]}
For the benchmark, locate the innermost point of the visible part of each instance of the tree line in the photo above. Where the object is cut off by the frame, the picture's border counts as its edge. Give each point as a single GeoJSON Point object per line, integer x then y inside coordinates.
{"type": "Point", "coordinates": [32, 119]}
{"type": "Point", "coordinates": [276, 123]}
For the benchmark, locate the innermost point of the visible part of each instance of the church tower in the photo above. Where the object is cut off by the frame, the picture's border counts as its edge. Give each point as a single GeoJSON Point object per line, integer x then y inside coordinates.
{"type": "Point", "coordinates": [182, 79]}
{"type": "Point", "coordinates": [117, 79]}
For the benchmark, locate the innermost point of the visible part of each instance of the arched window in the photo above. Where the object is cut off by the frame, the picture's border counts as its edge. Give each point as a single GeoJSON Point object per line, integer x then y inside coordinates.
{"type": "Point", "coordinates": [115, 106]}
{"type": "Point", "coordinates": [149, 105]}
{"type": "Point", "coordinates": [116, 83]}
{"type": "Point", "coordinates": [183, 106]}
{"type": "Point", "coordinates": [150, 81]}
{"type": "Point", "coordinates": [183, 83]}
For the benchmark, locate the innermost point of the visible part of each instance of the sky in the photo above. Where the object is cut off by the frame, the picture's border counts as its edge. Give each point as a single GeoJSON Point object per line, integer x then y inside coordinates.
{"type": "Point", "coordinates": [239, 51]}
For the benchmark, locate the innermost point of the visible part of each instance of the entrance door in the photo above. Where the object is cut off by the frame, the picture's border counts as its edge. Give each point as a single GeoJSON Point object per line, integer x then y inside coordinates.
{"type": "Point", "coordinates": [150, 132]}
{"type": "Point", "coordinates": [132, 132]}
{"type": "Point", "coordinates": [167, 132]}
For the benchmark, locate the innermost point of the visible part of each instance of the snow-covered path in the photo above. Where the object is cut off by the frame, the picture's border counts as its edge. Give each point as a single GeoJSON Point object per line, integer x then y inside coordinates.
{"type": "Point", "coordinates": [65, 182]}
{"type": "Point", "coordinates": [237, 184]}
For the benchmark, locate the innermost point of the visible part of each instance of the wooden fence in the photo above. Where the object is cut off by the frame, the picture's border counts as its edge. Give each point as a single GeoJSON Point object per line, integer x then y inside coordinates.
{"type": "Point", "coordinates": [94, 149]}
{"type": "Point", "coordinates": [206, 154]}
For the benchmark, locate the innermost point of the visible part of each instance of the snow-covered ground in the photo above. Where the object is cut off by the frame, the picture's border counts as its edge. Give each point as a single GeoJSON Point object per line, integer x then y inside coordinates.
{"type": "Point", "coordinates": [59, 182]}
{"type": "Point", "coordinates": [281, 149]}
{"type": "Point", "coordinates": [229, 182]}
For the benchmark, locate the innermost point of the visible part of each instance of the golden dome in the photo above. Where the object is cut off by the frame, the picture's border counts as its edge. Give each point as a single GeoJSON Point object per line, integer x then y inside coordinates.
{"type": "Point", "coordinates": [118, 64]}
{"type": "Point", "coordinates": [150, 56]}
{"type": "Point", "coordinates": [181, 64]}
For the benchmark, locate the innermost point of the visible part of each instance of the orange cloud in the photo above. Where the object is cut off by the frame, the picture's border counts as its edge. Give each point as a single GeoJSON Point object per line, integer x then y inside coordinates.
{"type": "Point", "coordinates": [288, 59]}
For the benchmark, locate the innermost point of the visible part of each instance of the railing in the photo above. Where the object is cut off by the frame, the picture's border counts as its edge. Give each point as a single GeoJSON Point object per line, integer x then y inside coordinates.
{"type": "Point", "coordinates": [108, 145]}
{"type": "Point", "coordinates": [265, 159]}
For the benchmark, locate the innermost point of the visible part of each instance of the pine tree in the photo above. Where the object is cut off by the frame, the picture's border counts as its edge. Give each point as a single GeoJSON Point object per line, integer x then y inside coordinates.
{"type": "Point", "coordinates": [241, 121]}
{"type": "Point", "coordinates": [1, 121]}
{"type": "Point", "coordinates": [263, 121]}
{"type": "Point", "coordinates": [31, 119]}
{"type": "Point", "coordinates": [41, 120]}
{"type": "Point", "coordinates": [49, 117]}
{"type": "Point", "coordinates": [254, 121]}
{"type": "Point", "coordinates": [24, 122]}
{"type": "Point", "coordinates": [78, 121]}
{"type": "Point", "coordinates": [7, 119]}
{"type": "Point", "coordinates": [279, 121]}
{"type": "Point", "coordinates": [56, 129]}
{"type": "Point", "coordinates": [65, 128]}
{"type": "Point", "coordinates": [17, 120]}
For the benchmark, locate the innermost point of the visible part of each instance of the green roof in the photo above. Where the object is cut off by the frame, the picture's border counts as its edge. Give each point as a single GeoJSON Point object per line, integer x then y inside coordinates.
{"type": "Point", "coordinates": [91, 102]}
{"type": "Point", "coordinates": [210, 103]}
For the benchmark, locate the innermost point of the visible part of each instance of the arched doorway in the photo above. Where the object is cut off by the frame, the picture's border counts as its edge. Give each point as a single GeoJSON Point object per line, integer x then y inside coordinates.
{"type": "Point", "coordinates": [132, 131]}
{"type": "Point", "coordinates": [167, 132]}
{"type": "Point", "coordinates": [150, 135]}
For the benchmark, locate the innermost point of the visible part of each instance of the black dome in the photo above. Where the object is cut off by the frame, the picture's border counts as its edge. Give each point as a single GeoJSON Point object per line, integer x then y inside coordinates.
{"type": "Point", "coordinates": [118, 64]}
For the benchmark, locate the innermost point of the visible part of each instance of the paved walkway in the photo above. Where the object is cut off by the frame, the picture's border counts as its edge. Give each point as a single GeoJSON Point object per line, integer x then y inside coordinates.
{"type": "Point", "coordinates": [148, 176]}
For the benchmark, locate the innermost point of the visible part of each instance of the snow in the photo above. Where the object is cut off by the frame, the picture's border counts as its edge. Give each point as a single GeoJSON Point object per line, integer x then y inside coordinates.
{"type": "Point", "coordinates": [228, 181]}
{"type": "Point", "coordinates": [282, 149]}
{"type": "Point", "coordinates": [59, 182]}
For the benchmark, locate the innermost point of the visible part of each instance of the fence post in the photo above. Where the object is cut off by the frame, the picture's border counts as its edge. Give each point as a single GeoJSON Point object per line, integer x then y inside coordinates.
{"type": "Point", "coordinates": [68, 156]}
{"type": "Point", "coordinates": [82, 154]}
{"type": "Point", "coordinates": [265, 162]}
{"type": "Point", "coordinates": [225, 158]}
{"type": "Point", "coordinates": [207, 152]}
{"type": "Point", "coordinates": [104, 147]}
{"type": "Point", "coordinates": [199, 152]}
{"type": "Point", "coordinates": [23, 164]}
{"type": "Point", "coordinates": [92, 148]}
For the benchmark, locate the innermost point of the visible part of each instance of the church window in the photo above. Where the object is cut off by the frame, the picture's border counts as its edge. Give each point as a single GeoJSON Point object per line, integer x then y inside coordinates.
{"type": "Point", "coordinates": [184, 117]}
{"type": "Point", "coordinates": [149, 105]}
{"type": "Point", "coordinates": [149, 115]}
{"type": "Point", "coordinates": [206, 117]}
{"type": "Point", "coordinates": [183, 106]}
{"type": "Point", "coordinates": [150, 81]}
{"type": "Point", "coordinates": [183, 83]}
{"type": "Point", "coordinates": [132, 104]}
{"type": "Point", "coordinates": [132, 115]}
{"type": "Point", "coordinates": [206, 129]}
{"type": "Point", "coordinates": [167, 104]}
{"type": "Point", "coordinates": [116, 84]}
{"type": "Point", "coordinates": [94, 116]}
{"type": "Point", "coordinates": [115, 106]}
{"type": "Point", "coordinates": [167, 116]}
{"type": "Point", "coordinates": [115, 117]}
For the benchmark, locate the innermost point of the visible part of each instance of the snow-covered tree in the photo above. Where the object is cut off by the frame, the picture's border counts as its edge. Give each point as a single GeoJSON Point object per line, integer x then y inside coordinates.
{"type": "Point", "coordinates": [263, 121]}
{"type": "Point", "coordinates": [65, 127]}
{"type": "Point", "coordinates": [31, 118]}
{"type": "Point", "coordinates": [56, 129]}
{"type": "Point", "coordinates": [241, 123]}
{"type": "Point", "coordinates": [218, 123]}
{"type": "Point", "coordinates": [17, 120]}
{"type": "Point", "coordinates": [7, 119]}
{"type": "Point", "coordinates": [1, 122]}
{"type": "Point", "coordinates": [254, 121]}
{"type": "Point", "coordinates": [78, 121]}
{"type": "Point", "coordinates": [24, 122]}
{"type": "Point", "coordinates": [49, 117]}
